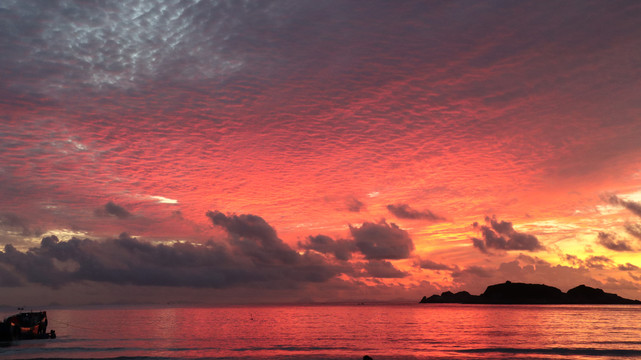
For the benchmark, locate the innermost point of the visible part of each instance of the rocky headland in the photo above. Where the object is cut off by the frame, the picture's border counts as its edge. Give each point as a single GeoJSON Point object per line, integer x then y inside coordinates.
{"type": "Point", "coordinates": [522, 293]}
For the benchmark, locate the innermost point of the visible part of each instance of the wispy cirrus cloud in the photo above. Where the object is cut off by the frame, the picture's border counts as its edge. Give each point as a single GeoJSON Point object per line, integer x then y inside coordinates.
{"type": "Point", "coordinates": [632, 206]}
{"type": "Point", "coordinates": [268, 108]}
{"type": "Point", "coordinates": [160, 96]}
{"type": "Point", "coordinates": [634, 230]}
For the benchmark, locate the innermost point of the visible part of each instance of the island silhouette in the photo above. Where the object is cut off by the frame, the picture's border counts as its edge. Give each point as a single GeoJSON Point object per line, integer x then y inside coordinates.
{"type": "Point", "coordinates": [522, 293]}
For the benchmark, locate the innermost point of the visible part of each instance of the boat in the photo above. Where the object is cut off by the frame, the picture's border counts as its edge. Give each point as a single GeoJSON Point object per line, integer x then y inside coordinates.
{"type": "Point", "coordinates": [26, 325]}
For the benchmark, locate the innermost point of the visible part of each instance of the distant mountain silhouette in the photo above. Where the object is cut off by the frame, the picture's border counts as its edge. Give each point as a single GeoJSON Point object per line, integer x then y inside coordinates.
{"type": "Point", "coordinates": [521, 293]}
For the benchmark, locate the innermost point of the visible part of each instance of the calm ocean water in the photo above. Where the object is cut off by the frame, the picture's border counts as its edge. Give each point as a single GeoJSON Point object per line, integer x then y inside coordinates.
{"type": "Point", "coordinates": [410, 331]}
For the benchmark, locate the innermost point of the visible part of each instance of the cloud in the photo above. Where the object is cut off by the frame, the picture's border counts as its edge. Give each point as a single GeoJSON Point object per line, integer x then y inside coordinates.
{"type": "Point", "coordinates": [404, 211]}
{"type": "Point", "coordinates": [431, 265]}
{"type": "Point", "coordinates": [253, 255]}
{"type": "Point", "coordinates": [7, 277]}
{"type": "Point", "coordinates": [11, 221]}
{"type": "Point", "coordinates": [480, 244]}
{"type": "Point", "coordinates": [598, 262]}
{"type": "Point", "coordinates": [628, 267]}
{"type": "Point", "coordinates": [254, 237]}
{"type": "Point", "coordinates": [376, 241]}
{"type": "Point", "coordinates": [633, 207]}
{"type": "Point", "coordinates": [634, 230]}
{"type": "Point", "coordinates": [112, 209]}
{"type": "Point", "coordinates": [573, 260]}
{"type": "Point", "coordinates": [379, 241]}
{"type": "Point", "coordinates": [32, 266]}
{"type": "Point", "coordinates": [354, 205]}
{"type": "Point", "coordinates": [383, 269]}
{"type": "Point", "coordinates": [609, 240]}
{"type": "Point", "coordinates": [162, 199]}
{"type": "Point", "coordinates": [139, 98]}
{"type": "Point", "coordinates": [474, 271]}
{"type": "Point", "coordinates": [117, 44]}
{"type": "Point", "coordinates": [501, 235]}
{"type": "Point", "coordinates": [341, 249]}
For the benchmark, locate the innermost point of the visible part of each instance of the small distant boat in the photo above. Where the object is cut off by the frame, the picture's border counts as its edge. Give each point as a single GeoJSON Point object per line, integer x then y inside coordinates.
{"type": "Point", "coordinates": [26, 325]}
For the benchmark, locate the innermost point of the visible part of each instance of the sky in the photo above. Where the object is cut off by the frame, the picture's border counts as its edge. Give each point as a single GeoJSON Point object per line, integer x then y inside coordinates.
{"type": "Point", "coordinates": [297, 151]}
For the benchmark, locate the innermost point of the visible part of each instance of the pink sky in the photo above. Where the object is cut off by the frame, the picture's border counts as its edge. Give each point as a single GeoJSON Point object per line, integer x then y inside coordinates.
{"type": "Point", "coordinates": [303, 150]}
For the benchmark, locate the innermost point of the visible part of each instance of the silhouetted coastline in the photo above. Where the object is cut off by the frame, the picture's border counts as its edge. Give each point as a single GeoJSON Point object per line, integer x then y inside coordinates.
{"type": "Point", "coordinates": [522, 293]}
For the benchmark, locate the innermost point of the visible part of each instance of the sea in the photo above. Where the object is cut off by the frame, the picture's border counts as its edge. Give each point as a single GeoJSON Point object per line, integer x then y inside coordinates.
{"type": "Point", "coordinates": [381, 331]}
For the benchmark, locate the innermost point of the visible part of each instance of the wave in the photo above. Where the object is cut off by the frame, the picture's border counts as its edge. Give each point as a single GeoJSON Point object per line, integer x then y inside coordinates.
{"type": "Point", "coordinates": [109, 358]}
{"type": "Point", "coordinates": [293, 348]}
{"type": "Point", "coordinates": [558, 351]}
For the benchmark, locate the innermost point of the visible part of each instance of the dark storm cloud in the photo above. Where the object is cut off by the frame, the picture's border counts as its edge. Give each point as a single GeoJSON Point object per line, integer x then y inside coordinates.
{"type": "Point", "coordinates": [378, 241]}
{"type": "Point", "coordinates": [501, 235]}
{"type": "Point", "coordinates": [383, 269]}
{"type": "Point", "coordinates": [404, 211]}
{"type": "Point", "coordinates": [633, 207]}
{"type": "Point", "coordinates": [341, 249]}
{"type": "Point", "coordinates": [610, 241]}
{"type": "Point", "coordinates": [113, 209]}
{"type": "Point", "coordinates": [127, 260]}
